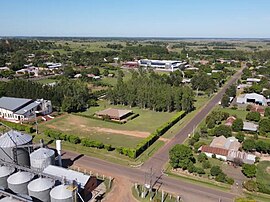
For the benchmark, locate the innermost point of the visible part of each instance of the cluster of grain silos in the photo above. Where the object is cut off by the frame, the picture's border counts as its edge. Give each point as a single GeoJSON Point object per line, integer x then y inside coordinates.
{"type": "Point", "coordinates": [13, 147]}
{"type": "Point", "coordinates": [15, 155]}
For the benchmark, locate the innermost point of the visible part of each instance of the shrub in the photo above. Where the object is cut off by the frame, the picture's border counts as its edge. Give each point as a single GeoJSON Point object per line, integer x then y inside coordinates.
{"type": "Point", "coordinates": [253, 116]}
{"type": "Point", "coordinates": [215, 170]}
{"type": "Point", "coordinates": [202, 157]}
{"type": "Point", "coordinates": [73, 139]}
{"type": "Point", "coordinates": [200, 170]}
{"type": "Point", "coordinates": [237, 125]}
{"type": "Point", "coordinates": [250, 185]}
{"type": "Point", "coordinates": [206, 164]}
{"type": "Point", "coordinates": [249, 170]}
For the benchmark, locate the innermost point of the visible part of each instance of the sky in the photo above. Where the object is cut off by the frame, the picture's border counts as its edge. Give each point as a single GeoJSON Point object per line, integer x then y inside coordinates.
{"type": "Point", "coordinates": [136, 18]}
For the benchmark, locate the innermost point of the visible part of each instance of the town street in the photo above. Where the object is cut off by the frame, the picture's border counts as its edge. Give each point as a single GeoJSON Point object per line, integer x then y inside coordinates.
{"type": "Point", "coordinates": [187, 191]}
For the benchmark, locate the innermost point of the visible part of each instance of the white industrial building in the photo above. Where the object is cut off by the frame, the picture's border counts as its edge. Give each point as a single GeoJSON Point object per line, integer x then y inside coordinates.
{"type": "Point", "coordinates": [251, 98]}
{"type": "Point", "coordinates": [20, 109]}
{"type": "Point", "coordinates": [168, 65]}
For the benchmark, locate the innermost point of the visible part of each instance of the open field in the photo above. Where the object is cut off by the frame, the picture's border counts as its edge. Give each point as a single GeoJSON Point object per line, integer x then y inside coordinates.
{"type": "Point", "coordinates": [263, 173]}
{"type": "Point", "coordinates": [125, 135]}
{"type": "Point", "coordinates": [147, 121]}
{"type": "Point", "coordinates": [239, 113]}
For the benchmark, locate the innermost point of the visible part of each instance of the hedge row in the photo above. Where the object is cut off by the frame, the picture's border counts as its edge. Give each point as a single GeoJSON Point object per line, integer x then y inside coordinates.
{"type": "Point", "coordinates": [57, 135]}
{"type": "Point", "coordinates": [19, 127]}
{"type": "Point", "coordinates": [146, 142]}
{"type": "Point", "coordinates": [130, 152]}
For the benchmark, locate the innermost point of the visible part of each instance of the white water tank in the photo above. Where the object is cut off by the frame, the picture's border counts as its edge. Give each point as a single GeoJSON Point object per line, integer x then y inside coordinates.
{"type": "Point", "coordinates": [5, 172]}
{"type": "Point", "coordinates": [40, 188]}
{"type": "Point", "coordinates": [8, 143]}
{"type": "Point", "coordinates": [41, 158]}
{"type": "Point", "coordinates": [61, 193]}
{"type": "Point", "coordinates": [18, 182]}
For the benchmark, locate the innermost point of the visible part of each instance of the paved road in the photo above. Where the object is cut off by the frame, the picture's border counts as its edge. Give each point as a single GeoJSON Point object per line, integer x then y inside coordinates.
{"type": "Point", "coordinates": [161, 157]}
{"type": "Point", "coordinates": [188, 191]}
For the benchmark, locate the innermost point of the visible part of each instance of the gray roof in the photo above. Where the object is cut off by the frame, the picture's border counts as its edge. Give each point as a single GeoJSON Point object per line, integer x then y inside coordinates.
{"type": "Point", "coordinates": [27, 108]}
{"type": "Point", "coordinates": [61, 192]}
{"type": "Point", "coordinates": [249, 126]}
{"type": "Point", "coordinates": [67, 174]}
{"type": "Point", "coordinates": [9, 199]}
{"type": "Point", "coordinates": [8, 139]}
{"type": "Point", "coordinates": [41, 184]}
{"type": "Point", "coordinates": [42, 153]}
{"type": "Point", "coordinates": [11, 103]}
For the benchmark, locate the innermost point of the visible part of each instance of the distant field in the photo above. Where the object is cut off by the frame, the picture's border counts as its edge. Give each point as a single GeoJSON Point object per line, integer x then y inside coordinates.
{"type": "Point", "coordinates": [46, 81]}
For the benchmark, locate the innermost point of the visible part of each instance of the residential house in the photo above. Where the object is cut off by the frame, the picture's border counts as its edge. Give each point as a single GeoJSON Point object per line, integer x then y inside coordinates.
{"type": "Point", "coordinates": [249, 126]}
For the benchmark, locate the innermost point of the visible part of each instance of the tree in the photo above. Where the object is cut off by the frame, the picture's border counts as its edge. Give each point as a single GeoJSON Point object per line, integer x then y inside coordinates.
{"type": "Point", "coordinates": [249, 145]}
{"type": "Point", "coordinates": [69, 72]}
{"type": "Point", "coordinates": [215, 170]}
{"type": "Point", "coordinates": [106, 72]}
{"type": "Point", "coordinates": [206, 164]}
{"type": "Point", "coordinates": [267, 112]}
{"type": "Point", "coordinates": [225, 100]}
{"type": "Point", "coordinates": [264, 126]}
{"type": "Point", "coordinates": [253, 116]}
{"type": "Point", "coordinates": [202, 157]}
{"type": "Point", "coordinates": [249, 170]}
{"type": "Point", "coordinates": [220, 130]}
{"type": "Point", "coordinates": [181, 156]}
{"type": "Point", "coordinates": [240, 136]}
{"type": "Point", "coordinates": [237, 125]}
{"type": "Point", "coordinates": [249, 107]}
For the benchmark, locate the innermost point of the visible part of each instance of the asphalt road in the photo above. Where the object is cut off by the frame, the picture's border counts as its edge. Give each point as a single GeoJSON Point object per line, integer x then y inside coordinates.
{"type": "Point", "coordinates": [187, 191]}
{"type": "Point", "coordinates": [162, 155]}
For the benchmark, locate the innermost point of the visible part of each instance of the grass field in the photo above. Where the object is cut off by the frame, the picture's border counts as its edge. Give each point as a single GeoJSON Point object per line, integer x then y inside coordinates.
{"type": "Point", "coordinates": [125, 135]}
{"type": "Point", "coordinates": [46, 81]}
{"type": "Point", "coordinates": [148, 121]}
{"type": "Point", "coordinates": [239, 113]}
{"type": "Point", "coordinates": [263, 173]}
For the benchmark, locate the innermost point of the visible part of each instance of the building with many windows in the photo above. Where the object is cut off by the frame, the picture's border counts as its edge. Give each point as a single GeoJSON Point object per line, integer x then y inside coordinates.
{"type": "Point", "coordinates": [20, 109]}
{"type": "Point", "coordinates": [167, 65]}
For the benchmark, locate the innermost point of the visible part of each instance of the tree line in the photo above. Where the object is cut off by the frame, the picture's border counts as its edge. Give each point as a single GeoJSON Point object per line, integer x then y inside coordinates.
{"type": "Point", "coordinates": [152, 91]}
{"type": "Point", "coordinates": [66, 95]}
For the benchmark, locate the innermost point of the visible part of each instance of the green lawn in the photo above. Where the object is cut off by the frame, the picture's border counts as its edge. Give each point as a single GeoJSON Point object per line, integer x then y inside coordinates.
{"type": "Point", "coordinates": [263, 175]}
{"type": "Point", "coordinates": [147, 121]}
{"type": "Point", "coordinates": [239, 113]}
{"type": "Point", "coordinates": [46, 81]}
{"type": "Point", "coordinates": [113, 80]}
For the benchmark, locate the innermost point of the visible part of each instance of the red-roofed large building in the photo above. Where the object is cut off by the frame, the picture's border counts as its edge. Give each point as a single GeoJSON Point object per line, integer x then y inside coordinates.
{"type": "Point", "coordinates": [219, 152]}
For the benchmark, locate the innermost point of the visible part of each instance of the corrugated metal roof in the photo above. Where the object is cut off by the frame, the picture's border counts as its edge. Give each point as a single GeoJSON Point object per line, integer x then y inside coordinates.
{"type": "Point", "coordinates": [41, 184]}
{"type": "Point", "coordinates": [42, 153]}
{"type": "Point", "coordinates": [12, 103]}
{"type": "Point", "coordinates": [67, 174]}
{"type": "Point", "coordinates": [214, 150]}
{"type": "Point", "coordinates": [7, 139]}
{"type": "Point", "coordinates": [27, 108]}
{"type": "Point", "coordinates": [20, 177]}
{"type": "Point", "coordinates": [5, 171]}
{"type": "Point", "coordinates": [61, 192]}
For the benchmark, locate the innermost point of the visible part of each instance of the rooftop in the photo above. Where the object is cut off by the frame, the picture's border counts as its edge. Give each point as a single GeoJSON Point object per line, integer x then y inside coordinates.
{"type": "Point", "coordinates": [11, 103]}
{"type": "Point", "coordinates": [114, 113]}
{"type": "Point", "coordinates": [70, 175]}
{"type": "Point", "coordinates": [214, 150]}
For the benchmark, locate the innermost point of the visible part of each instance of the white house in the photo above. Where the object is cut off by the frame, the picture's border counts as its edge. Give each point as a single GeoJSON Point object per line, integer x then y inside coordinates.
{"type": "Point", "coordinates": [20, 109]}
{"type": "Point", "coordinates": [253, 80]}
{"type": "Point", "coordinates": [251, 98]}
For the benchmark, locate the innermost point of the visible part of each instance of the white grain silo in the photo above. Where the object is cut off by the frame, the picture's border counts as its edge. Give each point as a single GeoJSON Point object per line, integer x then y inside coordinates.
{"type": "Point", "coordinates": [61, 193]}
{"type": "Point", "coordinates": [18, 182]}
{"type": "Point", "coordinates": [5, 172]}
{"type": "Point", "coordinates": [8, 143]}
{"type": "Point", "coordinates": [40, 188]}
{"type": "Point", "coordinates": [41, 158]}
{"type": "Point", "coordinates": [9, 199]}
